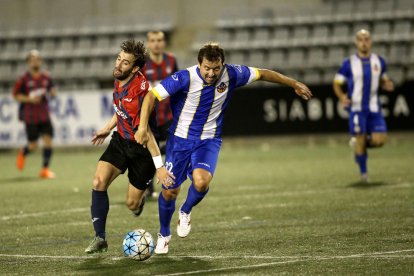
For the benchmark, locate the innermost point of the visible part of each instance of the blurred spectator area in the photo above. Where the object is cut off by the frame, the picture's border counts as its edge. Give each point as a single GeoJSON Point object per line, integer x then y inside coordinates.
{"type": "Point", "coordinates": [307, 41]}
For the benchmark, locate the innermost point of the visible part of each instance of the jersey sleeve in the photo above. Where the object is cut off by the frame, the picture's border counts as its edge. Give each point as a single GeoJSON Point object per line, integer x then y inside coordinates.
{"type": "Point", "coordinates": [244, 74]}
{"type": "Point", "coordinates": [343, 73]}
{"type": "Point", "coordinates": [171, 85]}
{"type": "Point", "coordinates": [18, 87]}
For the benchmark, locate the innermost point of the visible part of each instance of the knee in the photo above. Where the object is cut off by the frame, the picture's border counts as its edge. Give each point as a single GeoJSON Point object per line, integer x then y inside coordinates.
{"type": "Point", "coordinates": [201, 182]}
{"type": "Point", "coordinates": [133, 203]}
{"type": "Point", "coordinates": [99, 184]}
{"type": "Point", "coordinates": [170, 194]}
{"type": "Point", "coordinates": [379, 141]}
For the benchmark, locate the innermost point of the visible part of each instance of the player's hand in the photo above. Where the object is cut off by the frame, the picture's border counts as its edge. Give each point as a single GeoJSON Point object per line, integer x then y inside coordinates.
{"type": "Point", "coordinates": [35, 100]}
{"type": "Point", "coordinates": [100, 137]}
{"type": "Point", "coordinates": [165, 177]}
{"type": "Point", "coordinates": [142, 136]}
{"type": "Point", "coordinates": [345, 101]}
{"type": "Point", "coordinates": [388, 85]}
{"type": "Point", "coordinates": [302, 90]}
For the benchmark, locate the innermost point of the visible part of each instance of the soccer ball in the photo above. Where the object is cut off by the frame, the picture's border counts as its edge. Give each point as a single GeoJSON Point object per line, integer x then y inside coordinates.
{"type": "Point", "coordinates": [138, 244]}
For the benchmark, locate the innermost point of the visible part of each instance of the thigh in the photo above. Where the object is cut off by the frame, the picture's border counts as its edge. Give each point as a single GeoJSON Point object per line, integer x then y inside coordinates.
{"type": "Point", "coordinates": [114, 154]}
{"type": "Point", "coordinates": [104, 175]}
{"type": "Point", "coordinates": [376, 123]}
{"type": "Point", "coordinates": [32, 132]}
{"type": "Point", "coordinates": [205, 156]}
{"type": "Point", "coordinates": [46, 129]}
{"type": "Point", "coordinates": [357, 123]}
{"type": "Point", "coordinates": [134, 194]}
{"type": "Point", "coordinates": [177, 159]}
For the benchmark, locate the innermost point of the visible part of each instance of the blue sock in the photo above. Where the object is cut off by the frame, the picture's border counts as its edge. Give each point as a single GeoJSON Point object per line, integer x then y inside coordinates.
{"type": "Point", "coordinates": [99, 211]}
{"type": "Point", "coordinates": [193, 198]}
{"type": "Point", "coordinates": [362, 162]}
{"type": "Point", "coordinates": [165, 210]}
{"type": "Point", "coordinates": [47, 154]}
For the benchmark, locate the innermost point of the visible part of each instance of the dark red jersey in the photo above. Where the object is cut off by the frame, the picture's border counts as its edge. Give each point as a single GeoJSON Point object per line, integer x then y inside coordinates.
{"type": "Point", "coordinates": [29, 86]}
{"type": "Point", "coordinates": [127, 104]}
{"type": "Point", "coordinates": [156, 72]}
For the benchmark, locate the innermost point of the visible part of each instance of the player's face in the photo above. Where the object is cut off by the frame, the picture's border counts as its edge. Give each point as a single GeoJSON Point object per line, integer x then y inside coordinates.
{"type": "Point", "coordinates": [34, 62]}
{"type": "Point", "coordinates": [124, 66]}
{"type": "Point", "coordinates": [363, 43]}
{"type": "Point", "coordinates": [210, 70]}
{"type": "Point", "coordinates": [156, 43]}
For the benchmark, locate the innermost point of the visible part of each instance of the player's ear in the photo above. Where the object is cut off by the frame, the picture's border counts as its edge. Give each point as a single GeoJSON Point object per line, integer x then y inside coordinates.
{"type": "Point", "coordinates": [135, 69]}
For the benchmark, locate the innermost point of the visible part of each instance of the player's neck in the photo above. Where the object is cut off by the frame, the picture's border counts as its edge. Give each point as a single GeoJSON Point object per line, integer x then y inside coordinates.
{"type": "Point", "coordinates": [125, 81]}
{"type": "Point", "coordinates": [35, 73]}
{"type": "Point", "coordinates": [364, 55]}
{"type": "Point", "coordinates": [156, 58]}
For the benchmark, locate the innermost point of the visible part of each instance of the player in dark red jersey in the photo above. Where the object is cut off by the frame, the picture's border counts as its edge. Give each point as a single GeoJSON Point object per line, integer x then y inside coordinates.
{"type": "Point", "coordinates": [31, 91]}
{"type": "Point", "coordinates": [123, 151]}
{"type": "Point", "coordinates": [158, 66]}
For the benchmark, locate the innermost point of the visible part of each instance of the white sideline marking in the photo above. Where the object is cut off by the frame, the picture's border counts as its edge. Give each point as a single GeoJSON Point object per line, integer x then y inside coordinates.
{"type": "Point", "coordinates": [299, 259]}
{"type": "Point", "coordinates": [46, 256]}
{"type": "Point", "coordinates": [40, 214]}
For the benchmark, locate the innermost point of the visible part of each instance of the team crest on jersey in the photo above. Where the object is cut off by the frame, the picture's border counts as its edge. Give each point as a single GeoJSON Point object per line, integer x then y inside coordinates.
{"type": "Point", "coordinates": [221, 87]}
{"type": "Point", "coordinates": [143, 83]}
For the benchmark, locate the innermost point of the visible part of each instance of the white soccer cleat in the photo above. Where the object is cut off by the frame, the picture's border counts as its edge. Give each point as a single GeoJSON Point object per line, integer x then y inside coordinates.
{"type": "Point", "coordinates": [364, 178]}
{"type": "Point", "coordinates": [184, 224]}
{"type": "Point", "coordinates": [162, 244]}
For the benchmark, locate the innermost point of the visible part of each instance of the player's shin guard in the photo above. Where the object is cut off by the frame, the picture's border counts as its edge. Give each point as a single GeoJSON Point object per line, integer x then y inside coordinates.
{"type": "Point", "coordinates": [166, 210]}
{"type": "Point", "coordinates": [47, 155]}
{"type": "Point", "coordinates": [193, 198]}
{"type": "Point", "coordinates": [99, 211]}
{"type": "Point", "coordinates": [362, 162]}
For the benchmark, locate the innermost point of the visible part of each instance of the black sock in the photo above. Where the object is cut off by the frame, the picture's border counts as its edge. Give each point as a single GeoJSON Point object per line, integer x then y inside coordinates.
{"type": "Point", "coordinates": [99, 211]}
{"type": "Point", "coordinates": [47, 155]}
{"type": "Point", "coordinates": [26, 150]}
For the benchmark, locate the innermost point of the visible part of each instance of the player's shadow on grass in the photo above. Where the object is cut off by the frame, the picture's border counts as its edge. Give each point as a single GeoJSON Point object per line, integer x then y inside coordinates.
{"type": "Point", "coordinates": [18, 179]}
{"type": "Point", "coordinates": [366, 185]}
{"type": "Point", "coordinates": [102, 265]}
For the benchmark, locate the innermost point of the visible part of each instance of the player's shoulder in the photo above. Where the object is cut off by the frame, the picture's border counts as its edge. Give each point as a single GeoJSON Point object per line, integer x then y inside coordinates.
{"type": "Point", "coordinates": [380, 57]}
{"type": "Point", "coordinates": [139, 83]}
{"type": "Point", "coordinates": [46, 74]}
{"type": "Point", "coordinates": [170, 55]}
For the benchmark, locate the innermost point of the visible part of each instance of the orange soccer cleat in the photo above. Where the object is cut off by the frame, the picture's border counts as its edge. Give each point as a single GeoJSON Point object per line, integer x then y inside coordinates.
{"type": "Point", "coordinates": [46, 174]}
{"type": "Point", "coordinates": [20, 160]}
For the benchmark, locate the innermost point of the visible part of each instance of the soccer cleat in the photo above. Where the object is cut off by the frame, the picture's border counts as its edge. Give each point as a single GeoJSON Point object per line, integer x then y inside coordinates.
{"type": "Point", "coordinates": [45, 173]}
{"type": "Point", "coordinates": [140, 208]}
{"type": "Point", "coordinates": [364, 178]}
{"type": "Point", "coordinates": [20, 160]}
{"type": "Point", "coordinates": [98, 245]}
{"type": "Point", "coordinates": [184, 224]}
{"type": "Point", "coordinates": [162, 244]}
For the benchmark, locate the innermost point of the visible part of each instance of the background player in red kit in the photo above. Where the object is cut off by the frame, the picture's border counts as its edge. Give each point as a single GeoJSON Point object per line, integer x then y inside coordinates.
{"type": "Point", "coordinates": [158, 66]}
{"type": "Point", "coordinates": [31, 91]}
{"type": "Point", "coordinates": [123, 151]}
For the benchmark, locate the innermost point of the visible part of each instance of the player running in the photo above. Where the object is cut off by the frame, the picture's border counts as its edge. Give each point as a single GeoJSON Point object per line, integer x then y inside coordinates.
{"type": "Point", "coordinates": [199, 97]}
{"type": "Point", "coordinates": [158, 66]}
{"type": "Point", "coordinates": [364, 73]}
{"type": "Point", "coordinates": [124, 152]}
{"type": "Point", "coordinates": [32, 90]}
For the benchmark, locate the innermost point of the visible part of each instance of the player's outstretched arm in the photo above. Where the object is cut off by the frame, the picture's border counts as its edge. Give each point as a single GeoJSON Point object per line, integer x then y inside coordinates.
{"type": "Point", "coordinates": [100, 136]}
{"type": "Point", "coordinates": [272, 76]}
{"type": "Point", "coordinates": [142, 135]}
{"type": "Point", "coordinates": [163, 175]}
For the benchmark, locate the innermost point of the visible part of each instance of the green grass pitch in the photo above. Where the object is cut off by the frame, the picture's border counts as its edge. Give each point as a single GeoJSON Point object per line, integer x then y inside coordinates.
{"type": "Point", "coordinates": [277, 205]}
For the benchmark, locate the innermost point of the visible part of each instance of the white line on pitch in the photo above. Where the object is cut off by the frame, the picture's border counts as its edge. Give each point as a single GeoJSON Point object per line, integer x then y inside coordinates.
{"type": "Point", "coordinates": [46, 257]}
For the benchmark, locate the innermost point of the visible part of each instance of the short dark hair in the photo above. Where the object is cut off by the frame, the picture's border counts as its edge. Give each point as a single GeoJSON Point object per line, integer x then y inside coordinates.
{"type": "Point", "coordinates": [137, 49]}
{"type": "Point", "coordinates": [212, 52]}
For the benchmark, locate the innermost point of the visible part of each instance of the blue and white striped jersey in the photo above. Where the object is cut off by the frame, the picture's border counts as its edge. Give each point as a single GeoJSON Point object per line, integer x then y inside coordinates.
{"type": "Point", "coordinates": [363, 77]}
{"type": "Point", "coordinates": [198, 108]}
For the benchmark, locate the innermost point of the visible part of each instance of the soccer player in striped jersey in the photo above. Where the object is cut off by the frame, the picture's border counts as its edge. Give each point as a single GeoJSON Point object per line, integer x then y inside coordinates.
{"type": "Point", "coordinates": [158, 66]}
{"type": "Point", "coordinates": [199, 97]}
{"type": "Point", "coordinates": [32, 90]}
{"type": "Point", "coordinates": [363, 73]}
{"type": "Point", "coordinates": [123, 152]}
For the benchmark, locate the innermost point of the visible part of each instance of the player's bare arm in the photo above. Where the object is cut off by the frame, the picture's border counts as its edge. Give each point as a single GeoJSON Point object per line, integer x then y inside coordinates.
{"type": "Point", "coordinates": [26, 99]}
{"type": "Point", "coordinates": [272, 76]}
{"type": "Point", "coordinates": [163, 175]}
{"type": "Point", "coordinates": [100, 136]}
{"type": "Point", "coordinates": [142, 135]}
{"type": "Point", "coordinates": [342, 96]}
{"type": "Point", "coordinates": [387, 84]}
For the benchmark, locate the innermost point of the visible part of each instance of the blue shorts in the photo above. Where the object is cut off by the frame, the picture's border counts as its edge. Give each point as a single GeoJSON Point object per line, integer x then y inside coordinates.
{"type": "Point", "coordinates": [366, 122]}
{"type": "Point", "coordinates": [184, 155]}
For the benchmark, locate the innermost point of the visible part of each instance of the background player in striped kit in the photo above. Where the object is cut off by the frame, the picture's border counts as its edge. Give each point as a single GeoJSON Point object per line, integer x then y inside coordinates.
{"type": "Point", "coordinates": [199, 97]}
{"type": "Point", "coordinates": [31, 91]}
{"type": "Point", "coordinates": [158, 66]}
{"type": "Point", "coordinates": [364, 74]}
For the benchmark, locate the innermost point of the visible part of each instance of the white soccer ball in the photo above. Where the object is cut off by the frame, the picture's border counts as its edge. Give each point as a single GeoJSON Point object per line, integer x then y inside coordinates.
{"type": "Point", "coordinates": [138, 244]}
